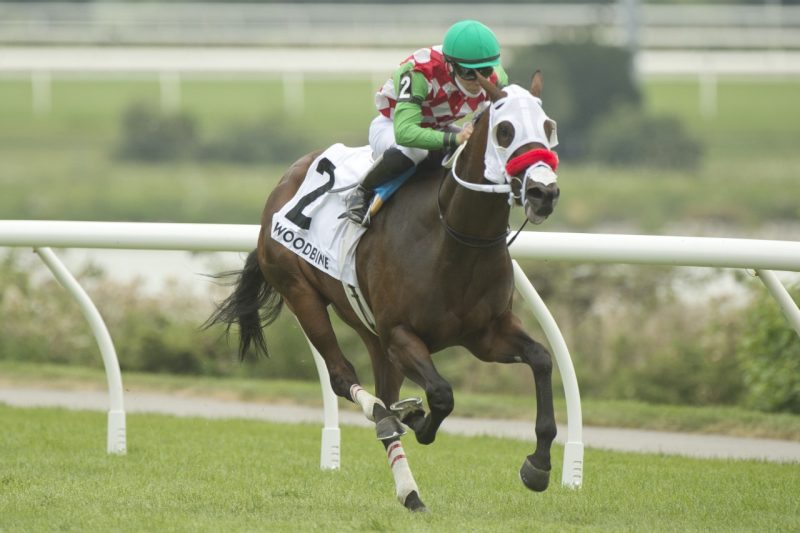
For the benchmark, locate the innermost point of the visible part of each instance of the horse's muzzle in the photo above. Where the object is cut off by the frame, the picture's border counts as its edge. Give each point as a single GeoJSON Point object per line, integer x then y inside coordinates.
{"type": "Point", "coordinates": [540, 201]}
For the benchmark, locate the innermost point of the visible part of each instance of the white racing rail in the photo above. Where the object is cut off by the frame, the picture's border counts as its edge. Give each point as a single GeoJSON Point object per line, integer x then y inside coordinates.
{"type": "Point", "coordinates": [763, 256]}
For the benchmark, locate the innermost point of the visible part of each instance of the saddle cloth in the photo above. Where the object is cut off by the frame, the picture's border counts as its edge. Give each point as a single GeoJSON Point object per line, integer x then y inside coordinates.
{"type": "Point", "coordinates": [309, 224]}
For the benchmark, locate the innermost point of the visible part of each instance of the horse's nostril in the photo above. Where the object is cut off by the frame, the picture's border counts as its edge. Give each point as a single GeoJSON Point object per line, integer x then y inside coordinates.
{"type": "Point", "coordinates": [535, 193]}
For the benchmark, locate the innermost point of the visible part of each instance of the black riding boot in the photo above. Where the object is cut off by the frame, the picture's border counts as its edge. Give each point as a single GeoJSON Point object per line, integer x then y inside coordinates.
{"type": "Point", "coordinates": [390, 165]}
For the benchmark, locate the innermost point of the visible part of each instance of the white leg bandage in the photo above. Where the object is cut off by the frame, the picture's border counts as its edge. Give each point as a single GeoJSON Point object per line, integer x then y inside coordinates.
{"type": "Point", "coordinates": [403, 480]}
{"type": "Point", "coordinates": [366, 400]}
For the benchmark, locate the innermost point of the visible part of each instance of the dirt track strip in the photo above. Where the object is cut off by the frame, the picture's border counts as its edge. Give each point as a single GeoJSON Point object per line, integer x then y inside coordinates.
{"type": "Point", "coordinates": [627, 440]}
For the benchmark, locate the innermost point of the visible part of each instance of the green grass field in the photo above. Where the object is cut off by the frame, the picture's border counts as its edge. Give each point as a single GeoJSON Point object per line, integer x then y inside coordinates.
{"type": "Point", "coordinates": [60, 165]}
{"type": "Point", "coordinates": [233, 475]}
{"type": "Point", "coordinates": [752, 117]}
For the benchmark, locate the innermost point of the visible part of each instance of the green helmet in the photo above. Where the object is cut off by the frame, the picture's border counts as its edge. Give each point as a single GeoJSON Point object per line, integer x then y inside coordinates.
{"type": "Point", "coordinates": [471, 44]}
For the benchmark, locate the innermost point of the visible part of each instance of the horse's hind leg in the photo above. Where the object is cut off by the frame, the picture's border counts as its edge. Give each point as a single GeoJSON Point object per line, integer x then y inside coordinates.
{"type": "Point", "coordinates": [507, 342]}
{"type": "Point", "coordinates": [312, 314]}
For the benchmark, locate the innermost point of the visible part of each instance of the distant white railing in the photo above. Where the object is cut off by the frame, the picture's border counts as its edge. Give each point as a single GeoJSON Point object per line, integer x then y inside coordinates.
{"type": "Point", "coordinates": [768, 25]}
{"type": "Point", "coordinates": [761, 255]}
{"type": "Point", "coordinates": [320, 62]}
{"type": "Point", "coordinates": [294, 66]}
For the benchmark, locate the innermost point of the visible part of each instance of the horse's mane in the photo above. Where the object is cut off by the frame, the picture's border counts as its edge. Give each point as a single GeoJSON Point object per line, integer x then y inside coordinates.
{"type": "Point", "coordinates": [479, 113]}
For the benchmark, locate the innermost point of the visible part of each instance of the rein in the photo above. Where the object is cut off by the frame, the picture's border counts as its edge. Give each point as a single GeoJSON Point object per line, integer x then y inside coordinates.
{"type": "Point", "coordinates": [514, 238]}
{"type": "Point", "coordinates": [463, 238]}
{"type": "Point", "coordinates": [500, 188]}
{"type": "Point", "coordinates": [474, 242]}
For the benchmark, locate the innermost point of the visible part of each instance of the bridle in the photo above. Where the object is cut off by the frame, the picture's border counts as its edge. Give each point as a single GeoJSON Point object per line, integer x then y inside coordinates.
{"type": "Point", "coordinates": [463, 238]}
{"type": "Point", "coordinates": [518, 164]}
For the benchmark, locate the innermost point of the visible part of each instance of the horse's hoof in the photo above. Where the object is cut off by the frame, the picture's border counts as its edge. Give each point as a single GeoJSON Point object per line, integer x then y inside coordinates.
{"type": "Point", "coordinates": [389, 427]}
{"type": "Point", "coordinates": [425, 439]}
{"type": "Point", "coordinates": [414, 504]}
{"type": "Point", "coordinates": [534, 478]}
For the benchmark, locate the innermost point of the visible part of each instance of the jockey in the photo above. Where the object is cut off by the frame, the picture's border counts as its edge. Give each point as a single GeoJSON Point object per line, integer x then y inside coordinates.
{"type": "Point", "coordinates": [432, 89]}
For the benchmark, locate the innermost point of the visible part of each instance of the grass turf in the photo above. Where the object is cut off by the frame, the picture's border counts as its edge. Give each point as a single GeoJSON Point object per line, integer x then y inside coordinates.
{"type": "Point", "coordinates": [233, 475]}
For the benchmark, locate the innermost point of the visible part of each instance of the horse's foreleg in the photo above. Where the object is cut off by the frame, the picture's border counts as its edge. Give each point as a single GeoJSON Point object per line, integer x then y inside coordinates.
{"type": "Point", "coordinates": [507, 342]}
{"type": "Point", "coordinates": [388, 380]}
{"type": "Point", "coordinates": [413, 357]}
{"type": "Point", "coordinates": [387, 425]}
{"type": "Point", "coordinates": [405, 486]}
{"type": "Point", "coordinates": [386, 387]}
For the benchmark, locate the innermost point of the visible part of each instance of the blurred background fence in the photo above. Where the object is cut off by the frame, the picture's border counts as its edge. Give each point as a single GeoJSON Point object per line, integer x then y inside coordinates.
{"type": "Point", "coordinates": [300, 41]}
{"type": "Point", "coordinates": [766, 25]}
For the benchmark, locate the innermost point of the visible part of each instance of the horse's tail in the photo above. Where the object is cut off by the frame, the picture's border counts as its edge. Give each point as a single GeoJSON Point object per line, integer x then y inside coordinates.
{"type": "Point", "coordinates": [253, 304]}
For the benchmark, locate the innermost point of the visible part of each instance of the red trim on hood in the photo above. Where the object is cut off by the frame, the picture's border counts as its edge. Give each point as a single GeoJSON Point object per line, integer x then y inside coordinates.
{"type": "Point", "coordinates": [520, 163]}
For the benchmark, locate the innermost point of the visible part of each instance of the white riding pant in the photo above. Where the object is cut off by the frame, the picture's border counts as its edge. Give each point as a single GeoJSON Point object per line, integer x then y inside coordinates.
{"type": "Point", "coordinates": [381, 138]}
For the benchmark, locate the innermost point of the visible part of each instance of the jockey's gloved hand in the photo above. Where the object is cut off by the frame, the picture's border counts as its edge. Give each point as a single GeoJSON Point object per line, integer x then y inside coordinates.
{"type": "Point", "coordinates": [465, 133]}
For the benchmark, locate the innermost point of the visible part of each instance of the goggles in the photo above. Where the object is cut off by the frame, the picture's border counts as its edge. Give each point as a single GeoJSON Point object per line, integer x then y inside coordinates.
{"type": "Point", "coordinates": [469, 74]}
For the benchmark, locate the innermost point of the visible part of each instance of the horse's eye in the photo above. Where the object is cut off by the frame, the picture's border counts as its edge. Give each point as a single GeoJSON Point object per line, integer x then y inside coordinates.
{"type": "Point", "coordinates": [505, 134]}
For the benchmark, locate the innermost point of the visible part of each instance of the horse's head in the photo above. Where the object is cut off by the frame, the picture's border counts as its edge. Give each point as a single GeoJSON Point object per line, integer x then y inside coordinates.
{"type": "Point", "coordinates": [518, 150]}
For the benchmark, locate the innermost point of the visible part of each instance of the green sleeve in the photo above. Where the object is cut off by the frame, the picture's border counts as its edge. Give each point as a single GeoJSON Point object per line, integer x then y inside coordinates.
{"type": "Point", "coordinates": [411, 89]}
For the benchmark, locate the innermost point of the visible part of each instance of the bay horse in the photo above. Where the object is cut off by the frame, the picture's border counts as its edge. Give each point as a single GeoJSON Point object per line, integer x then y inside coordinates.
{"type": "Point", "coordinates": [434, 267]}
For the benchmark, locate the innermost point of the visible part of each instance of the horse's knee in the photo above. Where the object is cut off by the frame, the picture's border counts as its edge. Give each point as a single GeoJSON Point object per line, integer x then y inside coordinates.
{"type": "Point", "coordinates": [540, 360]}
{"type": "Point", "coordinates": [544, 364]}
{"type": "Point", "coordinates": [440, 399]}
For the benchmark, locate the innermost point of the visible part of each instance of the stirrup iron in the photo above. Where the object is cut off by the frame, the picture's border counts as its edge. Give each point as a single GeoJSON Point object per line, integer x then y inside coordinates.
{"type": "Point", "coordinates": [357, 206]}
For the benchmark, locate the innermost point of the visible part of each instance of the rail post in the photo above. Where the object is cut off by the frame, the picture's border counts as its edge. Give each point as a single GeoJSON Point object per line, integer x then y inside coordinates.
{"type": "Point", "coordinates": [572, 471]}
{"type": "Point", "coordinates": [116, 441]}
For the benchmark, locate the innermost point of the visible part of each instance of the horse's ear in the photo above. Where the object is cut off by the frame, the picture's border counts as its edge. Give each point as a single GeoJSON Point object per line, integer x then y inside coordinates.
{"type": "Point", "coordinates": [494, 92]}
{"type": "Point", "coordinates": [536, 84]}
